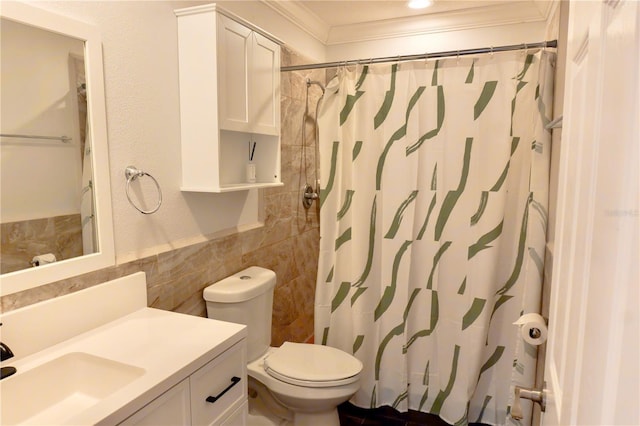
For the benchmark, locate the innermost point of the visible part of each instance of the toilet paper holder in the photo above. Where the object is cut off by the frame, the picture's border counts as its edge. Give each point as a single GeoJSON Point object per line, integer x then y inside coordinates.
{"type": "Point", "coordinates": [533, 328]}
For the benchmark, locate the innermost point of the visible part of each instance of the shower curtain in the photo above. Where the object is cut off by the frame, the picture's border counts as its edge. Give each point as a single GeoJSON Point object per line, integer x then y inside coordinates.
{"type": "Point", "coordinates": [434, 187]}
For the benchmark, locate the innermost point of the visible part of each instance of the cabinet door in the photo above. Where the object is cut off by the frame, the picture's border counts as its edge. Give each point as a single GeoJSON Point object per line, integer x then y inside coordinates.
{"type": "Point", "coordinates": [219, 387]}
{"type": "Point", "coordinates": [234, 50]}
{"type": "Point", "coordinates": [238, 417]}
{"type": "Point", "coordinates": [171, 408]}
{"type": "Point", "coordinates": [264, 103]}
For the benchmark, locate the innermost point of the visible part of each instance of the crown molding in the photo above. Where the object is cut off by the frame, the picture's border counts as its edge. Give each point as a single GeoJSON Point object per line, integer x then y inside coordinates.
{"type": "Point", "coordinates": [462, 19]}
{"type": "Point", "coordinates": [299, 15]}
{"type": "Point", "coordinates": [546, 7]}
{"type": "Point", "coordinates": [490, 16]}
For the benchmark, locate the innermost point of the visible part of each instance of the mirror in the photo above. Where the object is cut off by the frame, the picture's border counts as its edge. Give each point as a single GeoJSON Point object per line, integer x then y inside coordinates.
{"type": "Point", "coordinates": [55, 206]}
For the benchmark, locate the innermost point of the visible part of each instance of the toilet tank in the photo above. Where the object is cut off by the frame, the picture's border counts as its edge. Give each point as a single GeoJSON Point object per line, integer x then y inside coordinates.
{"type": "Point", "coordinates": [245, 298]}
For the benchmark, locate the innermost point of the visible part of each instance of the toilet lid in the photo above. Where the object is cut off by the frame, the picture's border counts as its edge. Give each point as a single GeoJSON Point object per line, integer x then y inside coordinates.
{"type": "Point", "coordinates": [311, 365]}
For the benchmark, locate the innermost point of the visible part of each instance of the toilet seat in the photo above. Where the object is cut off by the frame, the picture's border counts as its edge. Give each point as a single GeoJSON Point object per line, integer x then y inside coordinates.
{"type": "Point", "coordinates": [314, 366]}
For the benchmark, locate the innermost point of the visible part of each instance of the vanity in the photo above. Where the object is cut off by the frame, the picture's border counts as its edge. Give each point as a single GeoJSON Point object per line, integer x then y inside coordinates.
{"type": "Point", "coordinates": [108, 359]}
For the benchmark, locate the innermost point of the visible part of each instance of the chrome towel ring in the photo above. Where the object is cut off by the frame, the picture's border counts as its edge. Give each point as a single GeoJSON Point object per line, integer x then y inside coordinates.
{"type": "Point", "coordinates": [132, 173]}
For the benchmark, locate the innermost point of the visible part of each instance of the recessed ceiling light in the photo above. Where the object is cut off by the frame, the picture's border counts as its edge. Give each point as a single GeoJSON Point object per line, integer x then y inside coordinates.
{"type": "Point", "coordinates": [419, 4]}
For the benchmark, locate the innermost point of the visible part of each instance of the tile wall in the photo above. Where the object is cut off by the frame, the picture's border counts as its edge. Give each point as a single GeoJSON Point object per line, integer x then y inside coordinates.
{"type": "Point", "coordinates": [287, 243]}
{"type": "Point", "coordinates": [21, 241]}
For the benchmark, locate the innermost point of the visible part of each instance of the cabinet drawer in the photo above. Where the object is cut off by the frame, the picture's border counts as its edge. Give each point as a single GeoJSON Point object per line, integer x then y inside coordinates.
{"type": "Point", "coordinates": [219, 386]}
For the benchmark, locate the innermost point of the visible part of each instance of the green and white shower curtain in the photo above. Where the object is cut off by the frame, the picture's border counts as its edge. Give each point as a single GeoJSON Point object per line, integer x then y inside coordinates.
{"type": "Point", "coordinates": [434, 178]}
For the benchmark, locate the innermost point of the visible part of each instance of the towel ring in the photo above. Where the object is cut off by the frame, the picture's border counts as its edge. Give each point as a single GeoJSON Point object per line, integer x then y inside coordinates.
{"type": "Point", "coordinates": [132, 173]}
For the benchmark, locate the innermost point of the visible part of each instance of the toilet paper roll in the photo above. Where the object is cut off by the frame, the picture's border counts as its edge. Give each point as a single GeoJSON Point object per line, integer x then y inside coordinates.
{"type": "Point", "coordinates": [533, 328]}
{"type": "Point", "coordinates": [43, 259]}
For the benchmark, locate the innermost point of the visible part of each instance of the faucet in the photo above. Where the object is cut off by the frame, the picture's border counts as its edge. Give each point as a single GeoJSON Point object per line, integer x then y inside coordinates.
{"type": "Point", "coordinates": [5, 353]}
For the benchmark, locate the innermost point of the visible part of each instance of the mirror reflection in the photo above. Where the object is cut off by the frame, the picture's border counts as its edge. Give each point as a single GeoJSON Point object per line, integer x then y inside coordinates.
{"type": "Point", "coordinates": [47, 198]}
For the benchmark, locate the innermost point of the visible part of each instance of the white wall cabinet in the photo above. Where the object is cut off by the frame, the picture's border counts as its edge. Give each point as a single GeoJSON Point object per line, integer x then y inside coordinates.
{"type": "Point", "coordinates": [229, 101]}
{"type": "Point", "coordinates": [215, 394]}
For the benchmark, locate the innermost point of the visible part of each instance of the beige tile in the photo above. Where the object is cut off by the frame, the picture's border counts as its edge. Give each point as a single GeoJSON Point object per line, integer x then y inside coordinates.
{"type": "Point", "coordinates": [176, 263]}
{"type": "Point", "coordinates": [160, 297]}
{"type": "Point", "coordinates": [277, 208]}
{"type": "Point", "coordinates": [301, 329]}
{"type": "Point", "coordinates": [284, 306]}
{"type": "Point", "coordinates": [188, 285]}
{"type": "Point", "coordinates": [22, 240]}
{"type": "Point", "coordinates": [302, 292]}
{"type": "Point", "coordinates": [28, 297]}
{"type": "Point", "coordinates": [285, 84]}
{"type": "Point", "coordinates": [291, 113]}
{"type": "Point", "coordinates": [279, 336]}
{"type": "Point", "coordinates": [278, 257]}
{"type": "Point", "coordinates": [306, 246]}
{"type": "Point", "coordinates": [292, 168]}
{"type": "Point", "coordinates": [148, 265]}
{"type": "Point", "coordinates": [193, 305]}
{"type": "Point", "coordinates": [56, 289]}
{"type": "Point", "coordinates": [252, 240]}
{"type": "Point", "coordinates": [285, 56]}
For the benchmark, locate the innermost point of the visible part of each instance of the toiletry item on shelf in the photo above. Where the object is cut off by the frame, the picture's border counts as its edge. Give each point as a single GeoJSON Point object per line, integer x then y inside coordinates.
{"type": "Point", "coordinates": [251, 166]}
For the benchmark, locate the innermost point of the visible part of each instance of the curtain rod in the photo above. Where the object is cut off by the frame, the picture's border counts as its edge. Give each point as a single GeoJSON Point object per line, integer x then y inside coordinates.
{"type": "Point", "coordinates": [524, 46]}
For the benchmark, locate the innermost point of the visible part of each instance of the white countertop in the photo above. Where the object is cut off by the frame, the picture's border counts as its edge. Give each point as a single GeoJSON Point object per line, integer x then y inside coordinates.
{"type": "Point", "coordinates": [167, 345]}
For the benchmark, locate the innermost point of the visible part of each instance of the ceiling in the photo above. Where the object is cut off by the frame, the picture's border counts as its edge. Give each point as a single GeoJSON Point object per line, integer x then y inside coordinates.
{"type": "Point", "coordinates": [344, 21]}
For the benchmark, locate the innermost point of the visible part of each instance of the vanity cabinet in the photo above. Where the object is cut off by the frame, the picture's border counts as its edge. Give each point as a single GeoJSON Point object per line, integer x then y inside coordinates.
{"type": "Point", "coordinates": [229, 74]}
{"type": "Point", "coordinates": [215, 394]}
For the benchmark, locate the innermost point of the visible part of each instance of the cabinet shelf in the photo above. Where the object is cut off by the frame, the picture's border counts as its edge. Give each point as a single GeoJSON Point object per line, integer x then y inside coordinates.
{"type": "Point", "coordinates": [233, 187]}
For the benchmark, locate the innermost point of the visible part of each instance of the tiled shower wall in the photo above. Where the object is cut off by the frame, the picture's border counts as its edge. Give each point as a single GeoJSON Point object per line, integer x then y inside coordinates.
{"type": "Point", "coordinates": [287, 243]}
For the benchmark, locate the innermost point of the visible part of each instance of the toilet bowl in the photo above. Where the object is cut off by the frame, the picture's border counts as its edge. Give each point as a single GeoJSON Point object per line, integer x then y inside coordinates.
{"type": "Point", "coordinates": [307, 380]}
{"type": "Point", "coordinates": [312, 400]}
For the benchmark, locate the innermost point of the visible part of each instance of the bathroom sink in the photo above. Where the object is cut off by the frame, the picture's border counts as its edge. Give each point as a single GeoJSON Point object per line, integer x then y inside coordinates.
{"type": "Point", "coordinates": [52, 393]}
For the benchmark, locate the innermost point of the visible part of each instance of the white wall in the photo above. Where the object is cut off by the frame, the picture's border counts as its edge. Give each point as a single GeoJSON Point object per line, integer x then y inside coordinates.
{"type": "Point", "coordinates": [40, 178]}
{"type": "Point", "coordinates": [471, 38]}
{"type": "Point", "coordinates": [141, 84]}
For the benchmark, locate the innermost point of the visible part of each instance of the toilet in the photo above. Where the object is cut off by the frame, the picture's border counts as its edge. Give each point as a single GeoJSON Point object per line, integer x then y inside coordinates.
{"type": "Point", "coordinates": [299, 382]}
